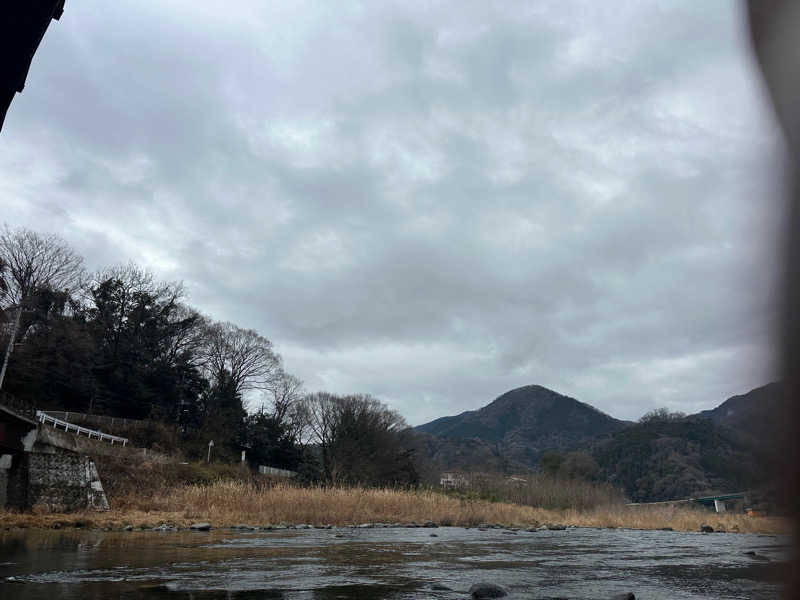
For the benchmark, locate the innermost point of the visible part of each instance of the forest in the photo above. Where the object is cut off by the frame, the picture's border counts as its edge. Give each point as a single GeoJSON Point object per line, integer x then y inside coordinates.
{"type": "Point", "coordinates": [120, 342]}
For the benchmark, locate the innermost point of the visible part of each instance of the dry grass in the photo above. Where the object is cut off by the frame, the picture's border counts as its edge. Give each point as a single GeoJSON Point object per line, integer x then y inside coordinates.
{"type": "Point", "coordinates": [342, 505]}
{"type": "Point", "coordinates": [543, 491]}
{"type": "Point", "coordinates": [678, 518]}
{"type": "Point", "coordinates": [226, 503]}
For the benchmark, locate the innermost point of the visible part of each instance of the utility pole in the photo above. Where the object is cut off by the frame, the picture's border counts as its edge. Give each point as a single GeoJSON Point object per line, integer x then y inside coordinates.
{"type": "Point", "coordinates": [10, 348]}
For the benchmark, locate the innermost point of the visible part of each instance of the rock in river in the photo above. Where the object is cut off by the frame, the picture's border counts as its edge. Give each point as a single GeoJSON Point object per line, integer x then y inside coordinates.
{"type": "Point", "coordinates": [706, 529]}
{"type": "Point", "coordinates": [487, 590]}
{"type": "Point", "coordinates": [200, 526]}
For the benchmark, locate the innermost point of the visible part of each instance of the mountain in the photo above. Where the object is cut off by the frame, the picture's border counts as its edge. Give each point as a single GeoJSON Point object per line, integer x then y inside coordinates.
{"type": "Point", "coordinates": [755, 413]}
{"type": "Point", "coordinates": [725, 449]}
{"type": "Point", "coordinates": [514, 430]}
{"type": "Point", "coordinates": [719, 450]}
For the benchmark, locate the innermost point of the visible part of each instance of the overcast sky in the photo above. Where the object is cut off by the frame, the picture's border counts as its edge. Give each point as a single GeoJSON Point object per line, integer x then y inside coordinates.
{"type": "Point", "coordinates": [429, 202]}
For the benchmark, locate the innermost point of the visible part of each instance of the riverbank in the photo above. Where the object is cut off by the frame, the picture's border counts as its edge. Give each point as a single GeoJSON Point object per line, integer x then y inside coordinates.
{"type": "Point", "coordinates": [229, 503]}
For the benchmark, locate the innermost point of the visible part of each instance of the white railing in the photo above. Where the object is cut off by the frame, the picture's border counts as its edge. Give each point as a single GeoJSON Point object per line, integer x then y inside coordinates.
{"type": "Point", "coordinates": [275, 472]}
{"type": "Point", "coordinates": [90, 433]}
{"type": "Point", "coordinates": [95, 420]}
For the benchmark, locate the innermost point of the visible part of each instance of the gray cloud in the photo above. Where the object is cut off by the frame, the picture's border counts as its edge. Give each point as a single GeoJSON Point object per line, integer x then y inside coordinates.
{"type": "Point", "coordinates": [430, 203]}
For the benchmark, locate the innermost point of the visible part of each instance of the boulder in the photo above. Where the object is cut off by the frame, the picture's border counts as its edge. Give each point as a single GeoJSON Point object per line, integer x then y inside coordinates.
{"type": "Point", "coordinates": [429, 524]}
{"type": "Point", "coordinates": [487, 590]}
{"type": "Point", "coordinates": [200, 526]}
{"type": "Point", "coordinates": [706, 529]}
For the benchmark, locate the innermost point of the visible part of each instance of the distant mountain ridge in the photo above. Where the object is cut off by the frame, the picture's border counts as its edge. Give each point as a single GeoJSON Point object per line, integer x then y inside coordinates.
{"type": "Point", "coordinates": [710, 451]}
{"type": "Point", "coordinates": [748, 412]}
{"type": "Point", "coordinates": [515, 429]}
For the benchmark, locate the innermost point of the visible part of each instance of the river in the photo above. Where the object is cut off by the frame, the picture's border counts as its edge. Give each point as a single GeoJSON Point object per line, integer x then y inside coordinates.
{"type": "Point", "coordinates": [327, 564]}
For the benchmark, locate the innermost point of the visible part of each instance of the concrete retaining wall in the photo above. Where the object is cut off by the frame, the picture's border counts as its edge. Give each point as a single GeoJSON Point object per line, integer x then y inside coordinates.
{"type": "Point", "coordinates": [50, 440]}
{"type": "Point", "coordinates": [13, 480]}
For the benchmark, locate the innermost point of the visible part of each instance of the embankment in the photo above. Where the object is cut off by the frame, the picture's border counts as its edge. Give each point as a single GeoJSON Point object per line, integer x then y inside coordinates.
{"type": "Point", "coordinates": [226, 503]}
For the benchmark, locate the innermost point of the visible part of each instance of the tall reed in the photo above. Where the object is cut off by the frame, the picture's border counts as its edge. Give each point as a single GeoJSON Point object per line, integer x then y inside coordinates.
{"type": "Point", "coordinates": [226, 503]}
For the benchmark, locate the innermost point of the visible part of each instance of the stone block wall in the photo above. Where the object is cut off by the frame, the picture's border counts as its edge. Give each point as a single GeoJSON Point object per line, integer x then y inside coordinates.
{"type": "Point", "coordinates": [63, 482]}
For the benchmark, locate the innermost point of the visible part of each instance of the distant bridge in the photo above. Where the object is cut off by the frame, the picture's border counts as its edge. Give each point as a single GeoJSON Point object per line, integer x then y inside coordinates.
{"type": "Point", "coordinates": [719, 503]}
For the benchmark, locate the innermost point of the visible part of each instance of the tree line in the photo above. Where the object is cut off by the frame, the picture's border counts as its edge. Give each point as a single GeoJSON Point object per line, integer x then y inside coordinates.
{"type": "Point", "coordinates": [121, 342]}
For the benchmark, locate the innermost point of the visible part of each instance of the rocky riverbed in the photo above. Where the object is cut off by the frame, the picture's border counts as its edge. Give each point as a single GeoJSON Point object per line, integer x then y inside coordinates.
{"type": "Point", "coordinates": [388, 562]}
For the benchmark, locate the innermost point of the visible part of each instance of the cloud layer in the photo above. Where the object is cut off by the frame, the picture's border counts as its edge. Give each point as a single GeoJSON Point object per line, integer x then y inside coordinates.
{"type": "Point", "coordinates": [433, 203]}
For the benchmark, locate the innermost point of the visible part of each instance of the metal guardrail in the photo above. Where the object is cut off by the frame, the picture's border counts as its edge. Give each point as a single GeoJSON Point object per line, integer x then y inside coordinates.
{"type": "Point", "coordinates": [76, 417]}
{"type": "Point", "coordinates": [90, 433]}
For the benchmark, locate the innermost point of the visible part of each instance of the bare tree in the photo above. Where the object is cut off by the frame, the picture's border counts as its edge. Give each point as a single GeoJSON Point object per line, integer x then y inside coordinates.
{"type": "Point", "coordinates": [361, 439]}
{"type": "Point", "coordinates": [244, 353]}
{"type": "Point", "coordinates": [34, 261]}
{"type": "Point", "coordinates": [321, 410]}
{"type": "Point", "coordinates": [285, 392]}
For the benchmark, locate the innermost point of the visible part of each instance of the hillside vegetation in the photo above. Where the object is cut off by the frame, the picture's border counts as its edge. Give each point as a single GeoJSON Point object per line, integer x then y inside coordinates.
{"type": "Point", "coordinates": [664, 456]}
{"type": "Point", "coordinates": [513, 431]}
{"type": "Point", "coordinates": [672, 459]}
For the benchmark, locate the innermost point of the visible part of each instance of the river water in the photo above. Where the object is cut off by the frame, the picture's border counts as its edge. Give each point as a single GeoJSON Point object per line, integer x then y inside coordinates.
{"type": "Point", "coordinates": [387, 563]}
